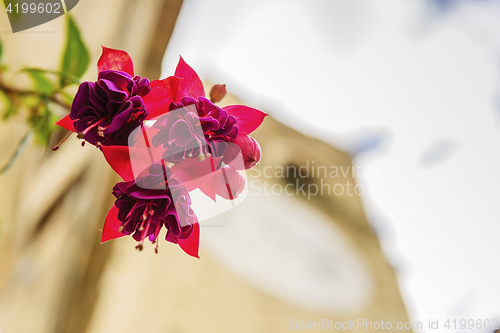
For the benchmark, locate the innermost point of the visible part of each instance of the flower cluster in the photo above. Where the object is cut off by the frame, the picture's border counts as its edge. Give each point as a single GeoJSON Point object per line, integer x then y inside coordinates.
{"type": "Point", "coordinates": [164, 139]}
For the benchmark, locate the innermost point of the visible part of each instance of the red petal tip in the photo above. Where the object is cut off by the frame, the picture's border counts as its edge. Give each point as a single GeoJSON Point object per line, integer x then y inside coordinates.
{"type": "Point", "coordinates": [191, 244]}
{"type": "Point", "coordinates": [111, 226]}
{"type": "Point", "coordinates": [191, 85]}
{"type": "Point", "coordinates": [248, 119]}
{"type": "Point", "coordinates": [117, 60]}
{"type": "Point", "coordinates": [66, 123]}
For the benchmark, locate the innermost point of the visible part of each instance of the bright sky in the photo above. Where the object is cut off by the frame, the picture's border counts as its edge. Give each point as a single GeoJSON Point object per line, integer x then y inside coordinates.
{"type": "Point", "coordinates": [387, 75]}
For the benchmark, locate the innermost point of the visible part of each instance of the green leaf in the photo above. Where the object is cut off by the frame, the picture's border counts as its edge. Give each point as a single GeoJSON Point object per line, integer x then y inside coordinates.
{"type": "Point", "coordinates": [67, 77]}
{"type": "Point", "coordinates": [8, 105]}
{"type": "Point", "coordinates": [1, 50]}
{"type": "Point", "coordinates": [76, 56]}
{"type": "Point", "coordinates": [41, 83]}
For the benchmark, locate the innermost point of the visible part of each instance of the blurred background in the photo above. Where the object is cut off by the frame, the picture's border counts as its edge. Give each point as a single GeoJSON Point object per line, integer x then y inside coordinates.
{"type": "Point", "coordinates": [398, 100]}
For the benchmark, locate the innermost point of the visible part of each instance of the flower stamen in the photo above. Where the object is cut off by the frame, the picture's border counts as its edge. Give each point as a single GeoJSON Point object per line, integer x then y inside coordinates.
{"type": "Point", "coordinates": [146, 216]}
{"type": "Point", "coordinates": [56, 147]}
{"type": "Point", "coordinates": [81, 135]}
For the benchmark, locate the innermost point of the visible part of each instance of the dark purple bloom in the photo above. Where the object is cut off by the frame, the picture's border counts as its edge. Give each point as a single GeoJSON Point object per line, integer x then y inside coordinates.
{"type": "Point", "coordinates": [107, 111]}
{"type": "Point", "coordinates": [181, 135]}
{"type": "Point", "coordinates": [152, 201]}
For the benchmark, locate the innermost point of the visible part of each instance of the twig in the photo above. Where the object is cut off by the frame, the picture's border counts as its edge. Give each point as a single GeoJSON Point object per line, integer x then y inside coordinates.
{"type": "Point", "coordinates": [22, 92]}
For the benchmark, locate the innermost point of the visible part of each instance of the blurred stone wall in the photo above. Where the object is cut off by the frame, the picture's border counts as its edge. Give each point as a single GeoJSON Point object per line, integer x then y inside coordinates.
{"type": "Point", "coordinates": [53, 204]}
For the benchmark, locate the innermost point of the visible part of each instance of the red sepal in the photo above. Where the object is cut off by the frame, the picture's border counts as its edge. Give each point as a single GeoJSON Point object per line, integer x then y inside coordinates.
{"type": "Point", "coordinates": [117, 60]}
{"type": "Point", "coordinates": [190, 84]}
{"type": "Point", "coordinates": [111, 226]}
{"type": "Point", "coordinates": [248, 119]}
{"type": "Point", "coordinates": [162, 93]}
{"type": "Point", "coordinates": [66, 123]}
{"type": "Point", "coordinates": [191, 244]}
{"type": "Point", "coordinates": [119, 158]}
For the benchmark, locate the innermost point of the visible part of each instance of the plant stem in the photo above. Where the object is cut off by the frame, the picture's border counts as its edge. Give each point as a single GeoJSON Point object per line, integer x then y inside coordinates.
{"type": "Point", "coordinates": [22, 92]}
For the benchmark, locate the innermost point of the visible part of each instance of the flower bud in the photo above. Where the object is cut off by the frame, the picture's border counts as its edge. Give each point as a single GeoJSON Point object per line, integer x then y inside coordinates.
{"type": "Point", "coordinates": [217, 93]}
{"type": "Point", "coordinates": [250, 150]}
{"type": "Point", "coordinates": [231, 184]}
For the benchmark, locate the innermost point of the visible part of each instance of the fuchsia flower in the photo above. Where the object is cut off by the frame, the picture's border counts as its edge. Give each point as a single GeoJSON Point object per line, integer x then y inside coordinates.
{"type": "Point", "coordinates": [150, 202]}
{"type": "Point", "coordinates": [182, 151]}
{"type": "Point", "coordinates": [181, 139]}
{"type": "Point", "coordinates": [105, 112]}
{"type": "Point", "coordinates": [227, 124]}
